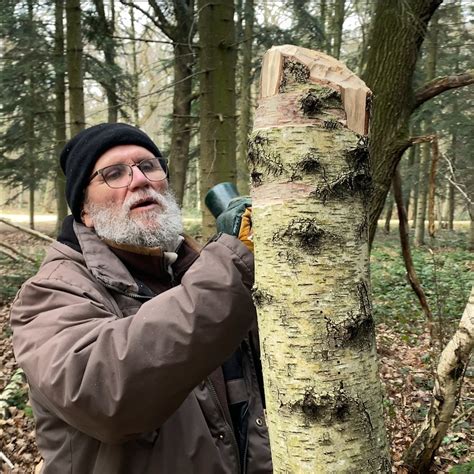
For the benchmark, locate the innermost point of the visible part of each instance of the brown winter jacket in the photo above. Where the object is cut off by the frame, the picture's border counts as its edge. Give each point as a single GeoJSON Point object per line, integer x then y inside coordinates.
{"type": "Point", "coordinates": [119, 382]}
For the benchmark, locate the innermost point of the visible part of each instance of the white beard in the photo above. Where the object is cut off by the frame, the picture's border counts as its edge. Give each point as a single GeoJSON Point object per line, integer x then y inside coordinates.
{"type": "Point", "coordinates": [159, 227]}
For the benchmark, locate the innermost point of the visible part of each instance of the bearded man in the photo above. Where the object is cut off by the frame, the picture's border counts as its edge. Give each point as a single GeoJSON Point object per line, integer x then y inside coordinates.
{"type": "Point", "coordinates": [139, 347]}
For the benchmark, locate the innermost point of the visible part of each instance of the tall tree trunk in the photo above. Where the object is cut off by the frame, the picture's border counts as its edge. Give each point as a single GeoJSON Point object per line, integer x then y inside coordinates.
{"type": "Point", "coordinates": [245, 117]}
{"type": "Point", "coordinates": [432, 187]}
{"type": "Point", "coordinates": [30, 126]}
{"type": "Point", "coordinates": [398, 27]}
{"type": "Point", "coordinates": [413, 206]}
{"type": "Point", "coordinates": [309, 167]}
{"type": "Point", "coordinates": [181, 130]}
{"type": "Point", "coordinates": [451, 190]}
{"type": "Point", "coordinates": [59, 110]}
{"type": "Point", "coordinates": [425, 159]}
{"type": "Point", "coordinates": [108, 47]}
{"type": "Point", "coordinates": [135, 75]}
{"type": "Point", "coordinates": [388, 215]}
{"type": "Point", "coordinates": [337, 23]}
{"type": "Point", "coordinates": [74, 66]}
{"type": "Point", "coordinates": [217, 102]}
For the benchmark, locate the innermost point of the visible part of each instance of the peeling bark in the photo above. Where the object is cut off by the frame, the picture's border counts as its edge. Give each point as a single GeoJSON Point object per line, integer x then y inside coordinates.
{"type": "Point", "coordinates": [310, 192]}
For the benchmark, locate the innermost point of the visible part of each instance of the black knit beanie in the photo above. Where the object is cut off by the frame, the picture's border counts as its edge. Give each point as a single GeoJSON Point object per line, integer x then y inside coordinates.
{"type": "Point", "coordinates": [82, 151]}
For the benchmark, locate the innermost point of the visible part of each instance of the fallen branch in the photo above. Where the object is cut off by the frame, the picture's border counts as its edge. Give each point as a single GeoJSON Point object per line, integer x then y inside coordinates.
{"type": "Point", "coordinates": [9, 254]}
{"type": "Point", "coordinates": [448, 380]}
{"type": "Point", "coordinates": [16, 384]}
{"type": "Point", "coordinates": [13, 253]}
{"type": "Point", "coordinates": [6, 461]}
{"type": "Point", "coordinates": [35, 233]}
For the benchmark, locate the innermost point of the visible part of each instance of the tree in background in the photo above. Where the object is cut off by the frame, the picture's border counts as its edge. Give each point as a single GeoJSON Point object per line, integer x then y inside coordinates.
{"type": "Point", "coordinates": [217, 59]}
{"type": "Point", "coordinates": [74, 56]}
{"type": "Point", "coordinates": [59, 109]}
{"type": "Point", "coordinates": [176, 21]}
{"type": "Point", "coordinates": [27, 97]}
{"type": "Point", "coordinates": [397, 33]}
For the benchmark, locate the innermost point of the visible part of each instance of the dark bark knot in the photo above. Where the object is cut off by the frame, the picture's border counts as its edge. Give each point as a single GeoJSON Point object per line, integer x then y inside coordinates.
{"type": "Point", "coordinates": [303, 233]}
{"type": "Point", "coordinates": [260, 156]}
{"type": "Point", "coordinates": [261, 297]}
{"type": "Point", "coordinates": [356, 332]}
{"type": "Point", "coordinates": [308, 165]}
{"type": "Point", "coordinates": [325, 409]}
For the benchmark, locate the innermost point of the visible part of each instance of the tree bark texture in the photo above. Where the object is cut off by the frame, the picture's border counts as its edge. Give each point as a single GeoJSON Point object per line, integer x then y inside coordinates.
{"type": "Point", "coordinates": [245, 117]}
{"type": "Point", "coordinates": [180, 32]}
{"type": "Point", "coordinates": [448, 380]}
{"type": "Point", "coordinates": [181, 130]}
{"type": "Point", "coordinates": [397, 33]}
{"type": "Point", "coordinates": [59, 110]}
{"type": "Point", "coordinates": [74, 66]}
{"type": "Point", "coordinates": [425, 159]}
{"type": "Point", "coordinates": [432, 187]}
{"type": "Point", "coordinates": [311, 184]}
{"type": "Point", "coordinates": [107, 43]}
{"type": "Point", "coordinates": [217, 99]}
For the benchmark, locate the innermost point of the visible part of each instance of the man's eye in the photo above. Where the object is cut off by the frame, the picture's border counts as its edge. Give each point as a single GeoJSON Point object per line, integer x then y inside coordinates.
{"type": "Point", "coordinates": [114, 173]}
{"type": "Point", "coordinates": [149, 165]}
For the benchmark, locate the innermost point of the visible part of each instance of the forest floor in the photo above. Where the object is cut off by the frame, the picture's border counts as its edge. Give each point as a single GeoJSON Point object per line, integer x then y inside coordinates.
{"type": "Point", "coordinates": [406, 361]}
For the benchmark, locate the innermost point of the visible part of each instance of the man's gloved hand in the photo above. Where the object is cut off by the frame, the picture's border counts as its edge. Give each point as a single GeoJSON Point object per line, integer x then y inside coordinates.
{"type": "Point", "coordinates": [237, 220]}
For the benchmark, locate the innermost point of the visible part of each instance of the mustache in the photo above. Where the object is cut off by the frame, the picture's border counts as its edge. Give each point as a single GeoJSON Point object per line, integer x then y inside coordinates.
{"type": "Point", "coordinates": [142, 195]}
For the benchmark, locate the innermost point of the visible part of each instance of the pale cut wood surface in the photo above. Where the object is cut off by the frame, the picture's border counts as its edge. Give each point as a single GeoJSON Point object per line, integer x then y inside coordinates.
{"type": "Point", "coordinates": [324, 70]}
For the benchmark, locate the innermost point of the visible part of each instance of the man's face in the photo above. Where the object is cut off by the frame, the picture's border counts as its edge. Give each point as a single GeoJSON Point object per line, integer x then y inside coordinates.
{"type": "Point", "coordinates": [144, 213]}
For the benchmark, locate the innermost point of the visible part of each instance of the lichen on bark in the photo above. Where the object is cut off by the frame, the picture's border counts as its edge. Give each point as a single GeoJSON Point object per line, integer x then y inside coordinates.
{"type": "Point", "coordinates": [311, 250]}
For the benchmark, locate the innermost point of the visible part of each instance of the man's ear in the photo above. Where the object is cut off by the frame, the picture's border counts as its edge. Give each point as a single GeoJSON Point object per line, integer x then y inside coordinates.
{"type": "Point", "coordinates": [86, 219]}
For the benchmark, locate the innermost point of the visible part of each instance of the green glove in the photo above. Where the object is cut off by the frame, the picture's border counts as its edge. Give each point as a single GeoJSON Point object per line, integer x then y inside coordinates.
{"type": "Point", "coordinates": [230, 220]}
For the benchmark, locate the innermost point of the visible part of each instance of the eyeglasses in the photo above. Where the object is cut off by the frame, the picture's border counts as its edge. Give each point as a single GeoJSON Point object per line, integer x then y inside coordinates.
{"type": "Point", "coordinates": [120, 175]}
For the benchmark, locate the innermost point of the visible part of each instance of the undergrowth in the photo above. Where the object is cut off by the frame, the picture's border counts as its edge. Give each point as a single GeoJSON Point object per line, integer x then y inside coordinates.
{"type": "Point", "coordinates": [444, 267]}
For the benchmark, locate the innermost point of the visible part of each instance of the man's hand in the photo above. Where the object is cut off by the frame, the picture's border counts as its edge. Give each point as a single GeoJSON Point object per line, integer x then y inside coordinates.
{"type": "Point", "coordinates": [237, 220]}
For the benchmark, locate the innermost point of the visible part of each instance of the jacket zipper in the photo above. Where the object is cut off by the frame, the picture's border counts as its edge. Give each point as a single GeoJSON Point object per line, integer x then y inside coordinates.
{"type": "Point", "coordinates": [229, 428]}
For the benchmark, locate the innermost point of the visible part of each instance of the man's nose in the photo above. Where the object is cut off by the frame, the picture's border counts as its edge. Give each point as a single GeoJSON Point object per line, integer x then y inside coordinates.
{"type": "Point", "coordinates": [139, 180]}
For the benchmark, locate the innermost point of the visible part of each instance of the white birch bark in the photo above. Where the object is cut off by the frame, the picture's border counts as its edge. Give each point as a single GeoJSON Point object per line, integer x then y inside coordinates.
{"type": "Point", "coordinates": [309, 167]}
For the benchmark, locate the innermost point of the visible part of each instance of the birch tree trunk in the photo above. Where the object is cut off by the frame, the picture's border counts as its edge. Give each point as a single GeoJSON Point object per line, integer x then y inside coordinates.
{"type": "Point", "coordinates": [309, 167]}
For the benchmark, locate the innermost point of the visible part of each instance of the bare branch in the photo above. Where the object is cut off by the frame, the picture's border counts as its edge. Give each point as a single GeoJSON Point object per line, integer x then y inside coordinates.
{"type": "Point", "coordinates": [440, 85]}
{"type": "Point", "coordinates": [456, 185]}
{"type": "Point", "coordinates": [35, 233]}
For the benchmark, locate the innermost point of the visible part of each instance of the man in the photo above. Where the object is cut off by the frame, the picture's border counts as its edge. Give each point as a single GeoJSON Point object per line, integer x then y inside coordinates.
{"type": "Point", "coordinates": [139, 348]}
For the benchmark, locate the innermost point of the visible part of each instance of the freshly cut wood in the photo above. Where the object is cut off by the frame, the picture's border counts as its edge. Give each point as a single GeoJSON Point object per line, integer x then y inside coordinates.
{"type": "Point", "coordinates": [320, 69]}
{"type": "Point", "coordinates": [311, 185]}
{"type": "Point", "coordinates": [448, 381]}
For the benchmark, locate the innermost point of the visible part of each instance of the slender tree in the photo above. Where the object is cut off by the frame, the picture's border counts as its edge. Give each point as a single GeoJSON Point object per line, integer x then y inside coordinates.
{"type": "Point", "coordinates": [60, 108]}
